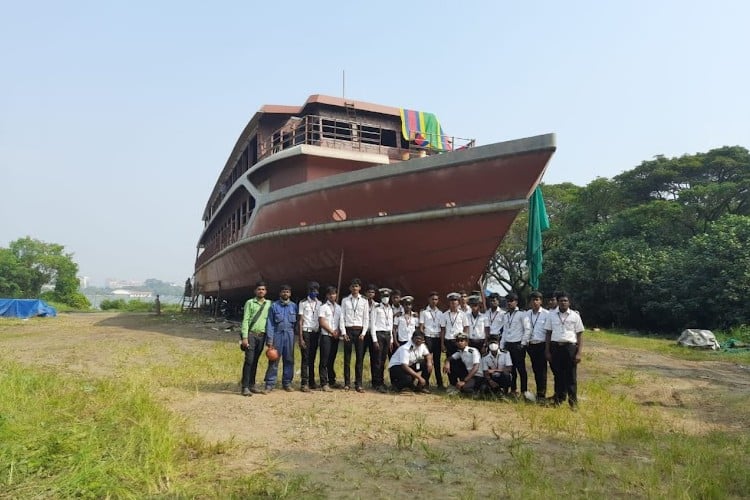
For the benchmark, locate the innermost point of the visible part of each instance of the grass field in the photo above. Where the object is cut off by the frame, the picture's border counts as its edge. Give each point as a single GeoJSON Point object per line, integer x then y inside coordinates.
{"type": "Point", "coordinates": [135, 406]}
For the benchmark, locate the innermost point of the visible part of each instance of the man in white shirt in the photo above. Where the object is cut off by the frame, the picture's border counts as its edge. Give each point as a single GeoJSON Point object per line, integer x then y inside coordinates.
{"type": "Point", "coordinates": [537, 319]}
{"type": "Point", "coordinates": [453, 323]}
{"type": "Point", "coordinates": [477, 325]}
{"type": "Point", "coordinates": [381, 331]}
{"type": "Point", "coordinates": [309, 336]}
{"type": "Point", "coordinates": [494, 315]}
{"type": "Point", "coordinates": [564, 345]}
{"type": "Point", "coordinates": [410, 365]}
{"type": "Point", "coordinates": [406, 323]}
{"type": "Point", "coordinates": [496, 368]}
{"type": "Point", "coordinates": [429, 324]}
{"type": "Point", "coordinates": [516, 333]}
{"type": "Point", "coordinates": [355, 311]}
{"type": "Point", "coordinates": [330, 332]}
{"type": "Point", "coordinates": [464, 366]}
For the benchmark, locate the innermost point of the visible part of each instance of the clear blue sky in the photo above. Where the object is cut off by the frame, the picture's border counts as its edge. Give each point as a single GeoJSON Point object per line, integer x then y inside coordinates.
{"type": "Point", "coordinates": [116, 117]}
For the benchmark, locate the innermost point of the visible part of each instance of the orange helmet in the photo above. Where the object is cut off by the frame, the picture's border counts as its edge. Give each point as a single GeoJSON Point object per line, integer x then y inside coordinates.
{"type": "Point", "coordinates": [272, 354]}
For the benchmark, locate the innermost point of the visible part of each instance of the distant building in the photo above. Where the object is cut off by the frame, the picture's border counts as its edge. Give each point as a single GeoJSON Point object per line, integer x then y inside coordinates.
{"type": "Point", "coordinates": [113, 283]}
{"type": "Point", "coordinates": [132, 294]}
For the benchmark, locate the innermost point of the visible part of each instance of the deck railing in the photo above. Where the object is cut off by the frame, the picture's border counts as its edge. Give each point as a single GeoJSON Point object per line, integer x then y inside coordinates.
{"type": "Point", "coordinates": [338, 133]}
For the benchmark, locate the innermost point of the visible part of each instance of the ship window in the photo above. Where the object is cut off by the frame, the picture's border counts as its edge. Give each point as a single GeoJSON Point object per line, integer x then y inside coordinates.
{"type": "Point", "coordinates": [389, 138]}
{"type": "Point", "coordinates": [333, 129]}
{"type": "Point", "coordinates": [369, 135]}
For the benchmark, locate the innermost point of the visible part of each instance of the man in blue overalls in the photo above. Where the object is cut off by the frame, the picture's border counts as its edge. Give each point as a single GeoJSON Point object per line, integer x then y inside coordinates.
{"type": "Point", "coordinates": [280, 328]}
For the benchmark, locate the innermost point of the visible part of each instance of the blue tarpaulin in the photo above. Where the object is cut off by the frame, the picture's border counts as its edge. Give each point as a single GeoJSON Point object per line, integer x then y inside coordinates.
{"type": "Point", "coordinates": [25, 308]}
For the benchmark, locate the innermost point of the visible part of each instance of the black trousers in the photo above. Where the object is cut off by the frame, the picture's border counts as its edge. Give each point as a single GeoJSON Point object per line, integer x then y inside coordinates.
{"type": "Point", "coordinates": [450, 349]}
{"type": "Point", "coordinates": [358, 345]}
{"type": "Point", "coordinates": [433, 345]}
{"type": "Point", "coordinates": [307, 365]}
{"type": "Point", "coordinates": [253, 352]}
{"type": "Point", "coordinates": [539, 367]}
{"type": "Point", "coordinates": [401, 380]}
{"type": "Point", "coordinates": [378, 358]}
{"type": "Point", "coordinates": [518, 357]}
{"type": "Point", "coordinates": [565, 371]}
{"type": "Point", "coordinates": [329, 348]}
{"type": "Point", "coordinates": [459, 371]}
{"type": "Point", "coordinates": [502, 379]}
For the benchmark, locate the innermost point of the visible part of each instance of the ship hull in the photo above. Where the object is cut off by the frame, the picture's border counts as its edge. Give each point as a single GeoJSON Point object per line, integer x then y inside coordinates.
{"type": "Point", "coordinates": [423, 225]}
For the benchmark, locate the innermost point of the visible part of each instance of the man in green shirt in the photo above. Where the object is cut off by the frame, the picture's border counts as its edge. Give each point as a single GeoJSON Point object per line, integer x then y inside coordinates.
{"type": "Point", "coordinates": [253, 337]}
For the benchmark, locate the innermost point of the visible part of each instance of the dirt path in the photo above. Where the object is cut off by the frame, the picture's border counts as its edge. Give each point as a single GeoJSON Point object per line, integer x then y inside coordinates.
{"type": "Point", "coordinates": [348, 434]}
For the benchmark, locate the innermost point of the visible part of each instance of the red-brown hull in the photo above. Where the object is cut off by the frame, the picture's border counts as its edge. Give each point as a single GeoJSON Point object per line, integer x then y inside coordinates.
{"type": "Point", "coordinates": [425, 225]}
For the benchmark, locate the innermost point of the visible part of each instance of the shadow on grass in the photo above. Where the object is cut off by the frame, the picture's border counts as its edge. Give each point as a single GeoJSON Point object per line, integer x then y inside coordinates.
{"type": "Point", "coordinates": [185, 326]}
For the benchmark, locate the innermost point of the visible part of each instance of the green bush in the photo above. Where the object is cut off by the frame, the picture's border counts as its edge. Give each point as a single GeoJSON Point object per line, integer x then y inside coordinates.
{"type": "Point", "coordinates": [107, 305]}
{"type": "Point", "coordinates": [129, 306]}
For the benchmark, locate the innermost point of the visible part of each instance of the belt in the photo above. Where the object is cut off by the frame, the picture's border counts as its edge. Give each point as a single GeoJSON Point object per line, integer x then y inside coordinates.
{"type": "Point", "coordinates": [308, 330]}
{"type": "Point", "coordinates": [358, 328]}
{"type": "Point", "coordinates": [563, 343]}
{"type": "Point", "coordinates": [258, 333]}
{"type": "Point", "coordinates": [513, 343]}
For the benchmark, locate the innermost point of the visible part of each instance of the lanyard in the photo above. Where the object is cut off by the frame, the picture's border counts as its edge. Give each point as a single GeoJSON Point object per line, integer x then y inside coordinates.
{"type": "Point", "coordinates": [493, 316]}
{"type": "Point", "coordinates": [533, 321]}
{"type": "Point", "coordinates": [510, 320]}
{"type": "Point", "coordinates": [474, 321]}
{"type": "Point", "coordinates": [453, 321]}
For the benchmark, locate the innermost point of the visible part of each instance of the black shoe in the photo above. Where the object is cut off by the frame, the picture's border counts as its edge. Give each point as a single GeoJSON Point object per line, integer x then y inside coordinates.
{"type": "Point", "coordinates": [359, 389]}
{"type": "Point", "coordinates": [246, 391]}
{"type": "Point", "coordinates": [382, 389]}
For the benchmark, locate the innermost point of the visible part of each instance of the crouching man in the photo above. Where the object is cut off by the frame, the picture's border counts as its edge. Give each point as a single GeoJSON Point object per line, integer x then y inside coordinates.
{"type": "Point", "coordinates": [411, 365]}
{"type": "Point", "coordinates": [464, 367]}
{"type": "Point", "coordinates": [497, 366]}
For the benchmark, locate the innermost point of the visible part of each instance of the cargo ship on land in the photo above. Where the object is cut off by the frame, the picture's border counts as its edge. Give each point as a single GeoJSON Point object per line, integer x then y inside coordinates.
{"type": "Point", "coordinates": [336, 189]}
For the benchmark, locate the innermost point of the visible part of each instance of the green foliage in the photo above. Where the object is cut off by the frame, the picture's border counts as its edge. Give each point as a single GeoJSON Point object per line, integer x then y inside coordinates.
{"type": "Point", "coordinates": [115, 304]}
{"type": "Point", "coordinates": [660, 247]}
{"type": "Point", "coordinates": [132, 306]}
{"type": "Point", "coordinates": [28, 264]}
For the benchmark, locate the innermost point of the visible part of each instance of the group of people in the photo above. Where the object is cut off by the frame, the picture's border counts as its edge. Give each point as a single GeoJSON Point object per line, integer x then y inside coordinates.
{"type": "Point", "coordinates": [485, 347]}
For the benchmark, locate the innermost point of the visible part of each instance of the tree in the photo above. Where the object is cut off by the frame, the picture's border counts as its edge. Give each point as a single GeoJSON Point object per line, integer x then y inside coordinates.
{"type": "Point", "coordinates": [32, 264]}
{"type": "Point", "coordinates": [507, 267]}
{"type": "Point", "coordinates": [662, 246]}
{"type": "Point", "coordinates": [716, 274]}
{"type": "Point", "coordinates": [15, 279]}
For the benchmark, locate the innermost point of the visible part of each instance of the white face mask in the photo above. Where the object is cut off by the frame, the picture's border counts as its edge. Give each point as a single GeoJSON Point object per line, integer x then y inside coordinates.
{"type": "Point", "coordinates": [494, 347]}
{"type": "Point", "coordinates": [385, 300]}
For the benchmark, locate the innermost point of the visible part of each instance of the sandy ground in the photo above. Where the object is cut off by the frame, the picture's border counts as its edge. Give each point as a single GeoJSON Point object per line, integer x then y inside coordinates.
{"type": "Point", "coordinates": [349, 435]}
